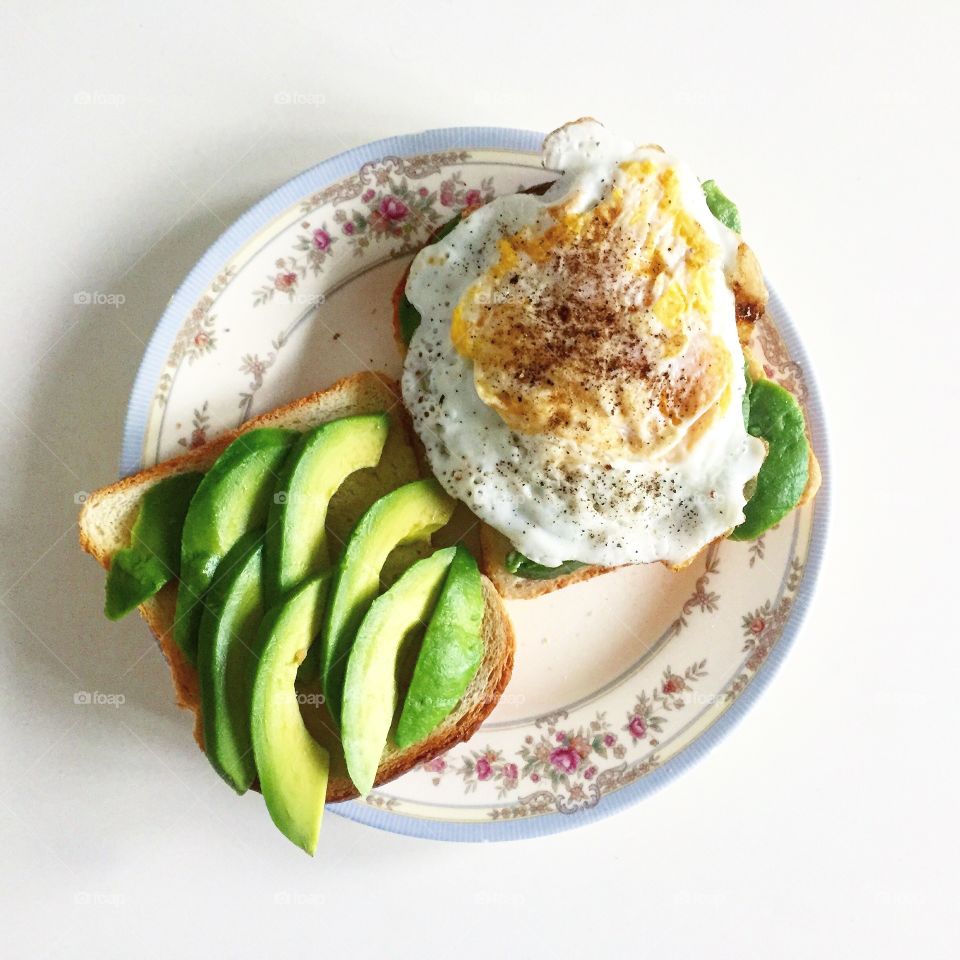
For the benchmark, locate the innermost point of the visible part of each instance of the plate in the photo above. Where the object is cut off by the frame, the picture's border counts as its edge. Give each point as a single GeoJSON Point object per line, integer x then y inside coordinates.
{"type": "Point", "coordinates": [621, 682]}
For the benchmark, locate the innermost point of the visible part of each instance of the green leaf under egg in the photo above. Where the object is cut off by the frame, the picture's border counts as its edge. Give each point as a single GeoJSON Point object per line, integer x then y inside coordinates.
{"type": "Point", "coordinates": [521, 566]}
{"type": "Point", "coordinates": [409, 315]}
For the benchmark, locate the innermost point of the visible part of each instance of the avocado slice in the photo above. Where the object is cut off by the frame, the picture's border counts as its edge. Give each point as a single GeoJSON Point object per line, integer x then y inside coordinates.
{"type": "Point", "coordinates": [296, 542]}
{"type": "Point", "coordinates": [233, 497]}
{"type": "Point", "coordinates": [450, 654]}
{"type": "Point", "coordinates": [370, 687]}
{"type": "Point", "coordinates": [291, 765]}
{"type": "Point", "coordinates": [411, 512]}
{"type": "Point", "coordinates": [153, 558]}
{"type": "Point", "coordinates": [776, 417]}
{"type": "Point", "coordinates": [227, 659]}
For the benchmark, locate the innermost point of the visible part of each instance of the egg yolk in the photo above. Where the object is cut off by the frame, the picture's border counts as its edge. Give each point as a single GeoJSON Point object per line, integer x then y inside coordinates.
{"type": "Point", "coordinates": [598, 328]}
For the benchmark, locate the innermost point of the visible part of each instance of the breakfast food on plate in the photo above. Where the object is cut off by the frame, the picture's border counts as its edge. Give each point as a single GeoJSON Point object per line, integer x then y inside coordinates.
{"type": "Point", "coordinates": [578, 369]}
{"type": "Point", "coordinates": [247, 524]}
{"type": "Point", "coordinates": [578, 373]}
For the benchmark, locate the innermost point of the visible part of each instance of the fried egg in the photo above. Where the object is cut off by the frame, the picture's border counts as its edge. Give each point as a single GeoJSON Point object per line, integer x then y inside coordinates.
{"type": "Point", "coordinates": [576, 378]}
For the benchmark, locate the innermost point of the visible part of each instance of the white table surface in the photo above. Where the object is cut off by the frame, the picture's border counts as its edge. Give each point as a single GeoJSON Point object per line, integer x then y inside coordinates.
{"type": "Point", "coordinates": [826, 824]}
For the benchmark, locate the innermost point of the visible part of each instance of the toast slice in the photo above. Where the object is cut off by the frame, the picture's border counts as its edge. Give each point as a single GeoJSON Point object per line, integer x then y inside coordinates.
{"type": "Point", "coordinates": [109, 513]}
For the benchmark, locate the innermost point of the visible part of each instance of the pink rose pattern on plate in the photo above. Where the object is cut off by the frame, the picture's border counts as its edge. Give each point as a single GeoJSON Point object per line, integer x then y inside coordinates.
{"type": "Point", "coordinates": [197, 337]}
{"type": "Point", "coordinates": [566, 760]}
{"type": "Point", "coordinates": [478, 767]}
{"type": "Point", "coordinates": [391, 210]}
{"type": "Point", "coordinates": [289, 271]}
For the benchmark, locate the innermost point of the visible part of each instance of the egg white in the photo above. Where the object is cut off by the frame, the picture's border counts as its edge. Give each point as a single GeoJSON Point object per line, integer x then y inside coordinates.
{"type": "Point", "coordinates": [534, 489]}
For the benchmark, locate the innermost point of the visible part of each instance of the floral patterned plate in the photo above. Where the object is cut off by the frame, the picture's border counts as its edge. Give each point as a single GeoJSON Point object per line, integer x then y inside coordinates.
{"type": "Point", "coordinates": [620, 682]}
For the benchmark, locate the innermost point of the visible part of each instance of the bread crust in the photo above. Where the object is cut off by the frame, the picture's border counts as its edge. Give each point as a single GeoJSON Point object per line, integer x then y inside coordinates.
{"type": "Point", "coordinates": [374, 391]}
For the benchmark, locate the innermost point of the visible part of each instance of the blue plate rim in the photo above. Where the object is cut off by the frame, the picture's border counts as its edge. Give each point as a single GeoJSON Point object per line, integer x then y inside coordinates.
{"type": "Point", "coordinates": [466, 138]}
